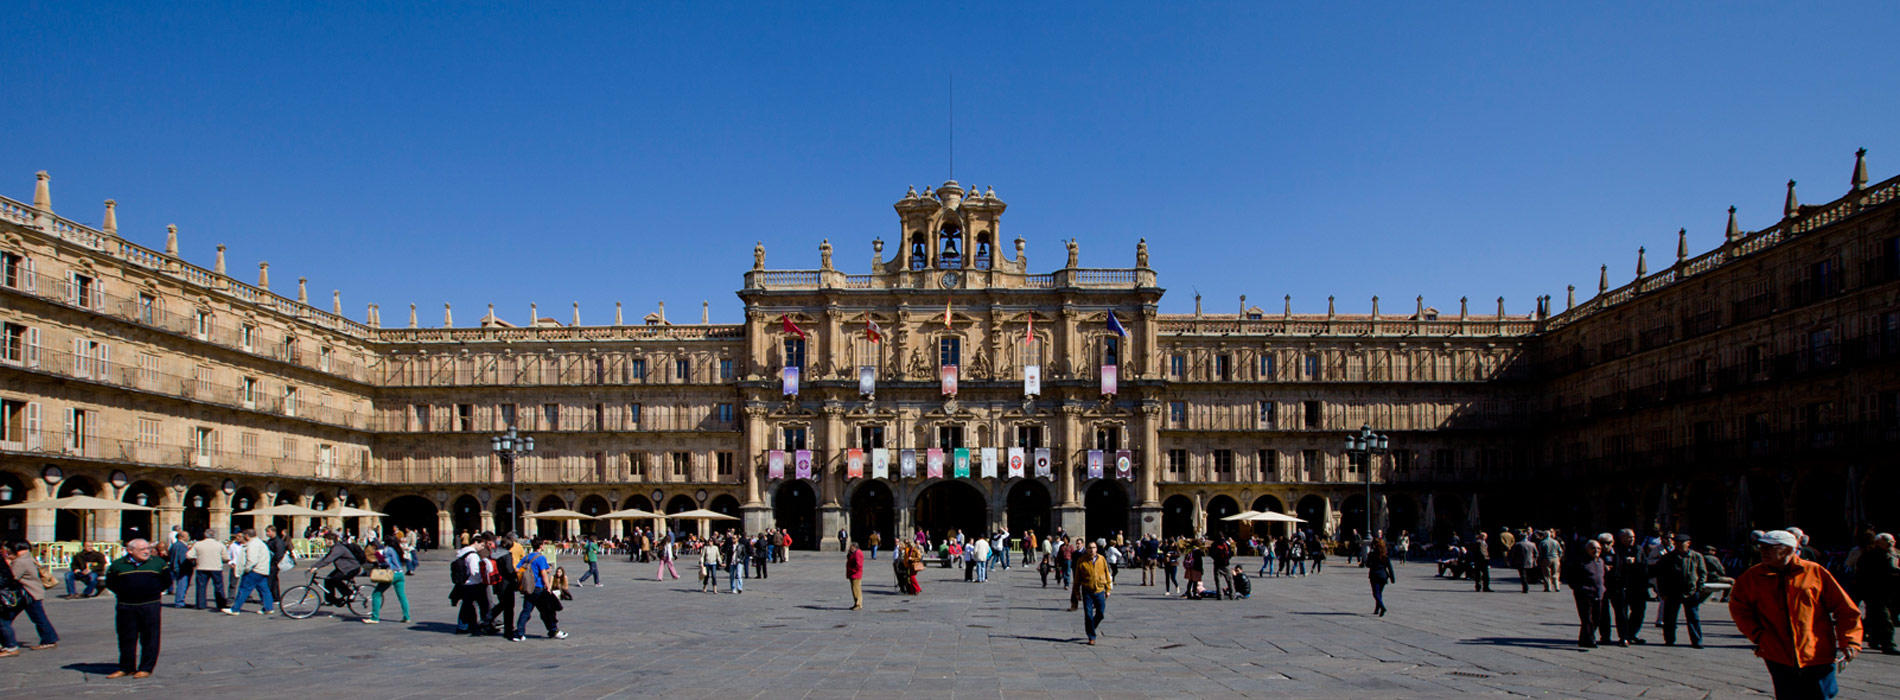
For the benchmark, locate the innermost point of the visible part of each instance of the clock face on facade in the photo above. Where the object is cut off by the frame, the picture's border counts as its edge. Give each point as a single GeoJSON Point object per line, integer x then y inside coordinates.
{"type": "Point", "coordinates": [950, 279]}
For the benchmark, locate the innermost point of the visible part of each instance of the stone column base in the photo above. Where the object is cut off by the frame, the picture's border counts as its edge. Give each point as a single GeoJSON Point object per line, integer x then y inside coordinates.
{"type": "Point", "coordinates": [1073, 520]}
{"type": "Point", "coordinates": [1148, 520]}
{"type": "Point", "coordinates": [831, 519]}
{"type": "Point", "coordinates": [756, 517]}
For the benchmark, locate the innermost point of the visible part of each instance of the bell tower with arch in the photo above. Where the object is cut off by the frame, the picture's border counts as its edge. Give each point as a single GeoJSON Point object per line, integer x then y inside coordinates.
{"type": "Point", "coordinates": [949, 229]}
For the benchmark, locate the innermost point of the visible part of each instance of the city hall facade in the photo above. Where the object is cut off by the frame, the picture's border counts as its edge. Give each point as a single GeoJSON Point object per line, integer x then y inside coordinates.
{"type": "Point", "coordinates": [955, 383]}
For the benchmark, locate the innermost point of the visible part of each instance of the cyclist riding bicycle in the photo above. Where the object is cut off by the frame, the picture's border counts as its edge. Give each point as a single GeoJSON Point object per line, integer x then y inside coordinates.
{"type": "Point", "coordinates": [346, 566]}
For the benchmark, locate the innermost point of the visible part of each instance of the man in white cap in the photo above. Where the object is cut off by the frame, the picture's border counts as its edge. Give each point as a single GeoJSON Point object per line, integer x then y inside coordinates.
{"type": "Point", "coordinates": [1801, 644]}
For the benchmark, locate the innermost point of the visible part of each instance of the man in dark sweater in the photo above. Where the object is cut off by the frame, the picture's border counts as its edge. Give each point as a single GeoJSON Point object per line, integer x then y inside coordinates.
{"type": "Point", "coordinates": [138, 580]}
{"type": "Point", "coordinates": [1587, 584]}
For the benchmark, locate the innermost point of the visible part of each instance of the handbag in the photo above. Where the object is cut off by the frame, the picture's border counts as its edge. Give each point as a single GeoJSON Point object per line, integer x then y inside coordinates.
{"type": "Point", "coordinates": [12, 599]}
{"type": "Point", "coordinates": [382, 575]}
{"type": "Point", "coordinates": [46, 578]}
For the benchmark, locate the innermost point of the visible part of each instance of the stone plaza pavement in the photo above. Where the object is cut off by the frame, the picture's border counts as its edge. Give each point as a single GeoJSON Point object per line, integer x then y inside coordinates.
{"type": "Point", "coordinates": [790, 636]}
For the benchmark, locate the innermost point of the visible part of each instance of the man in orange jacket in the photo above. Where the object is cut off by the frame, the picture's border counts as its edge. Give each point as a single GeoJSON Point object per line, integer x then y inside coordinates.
{"type": "Point", "coordinates": [1799, 618]}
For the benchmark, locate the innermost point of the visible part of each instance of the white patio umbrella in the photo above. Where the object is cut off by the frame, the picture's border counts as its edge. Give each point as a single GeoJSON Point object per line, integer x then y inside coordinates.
{"type": "Point", "coordinates": [1242, 515]}
{"type": "Point", "coordinates": [702, 514]}
{"type": "Point", "coordinates": [289, 510]}
{"type": "Point", "coordinates": [631, 514]}
{"type": "Point", "coordinates": [1272, 517]}
{"type": "Point", "coordinates": [562, 514]}
{"type": "Point", "coordinates": [352, 512]}
{"type": "Point", "coordinates": [85, 505]}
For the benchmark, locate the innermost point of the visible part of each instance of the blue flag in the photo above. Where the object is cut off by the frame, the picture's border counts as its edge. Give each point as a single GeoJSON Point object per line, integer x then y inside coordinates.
{"type": "Point", "coordinates": [1115, 325]}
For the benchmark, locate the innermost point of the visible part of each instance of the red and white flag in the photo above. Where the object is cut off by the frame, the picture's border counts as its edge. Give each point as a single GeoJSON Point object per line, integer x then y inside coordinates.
{"type": "Point", "coordinates": [871, 331]}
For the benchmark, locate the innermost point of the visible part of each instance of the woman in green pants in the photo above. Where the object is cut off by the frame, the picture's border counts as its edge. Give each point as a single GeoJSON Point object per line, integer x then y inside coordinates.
{"type": "Point", "coordinates": [400, 562]}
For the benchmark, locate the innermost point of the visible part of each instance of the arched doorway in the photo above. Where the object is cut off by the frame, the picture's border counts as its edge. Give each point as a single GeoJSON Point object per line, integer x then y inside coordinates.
{"type": "Point", "coordinates": [1312, 509]}
{"type": "Point", "coordinates": [725, 504]}
{"type": "Point", "coordinates": [1107, 506]}
{"type": "Point", "coordinates": [1352, 515]}
{"type": "Point", "coordinates": [952, 505]}
{"type": "Point", "coordinates": [197, 515]}
{"type": "Point", "coordinates": [12, 522]}
{"type": "Point", "coordinates": [627, 527]}
{"type": "Point", "coordinates": [874, 509]}
{"type": "Point", "coordinates": [466, 516]}
{"type": "Point", "coordinates": [508, 511]}
{"type": "Point", "coordinates": [411, 513]}
{"type": "Point", "coordinates": [596, 505]}
{"type": "Point", "coordinates": [244, 500]}
{"type": "Point", "coordinates": [1820, 509]}
{"type": "Point", "coordinates": [135, 524]}
{"type": "Point", "coordinates": [1448, 520]}
{"type": "Point", "coordinates": [319, 502]}
{"type": "Point", "coordinates": [795, 510]}
{"type": "Point", "coordinates": [1220, 507]}
{"type": "Point", "coordinates": [283, 522]}
{"type": "Point", "coordinates": [550, 529]}
{"type": "Point", "coordinates": [1270, 504]}
{"type": "Point", "coordinates": [1401, 514]}
{"type": "Point", "coordinates": [1707, 519]}
{"type": "Point", "coordinates": [67, 524]}
{"type": "Point", "coordinates": [1027, 508]}
{"type": "Point", "coordinates": [1177, 517]}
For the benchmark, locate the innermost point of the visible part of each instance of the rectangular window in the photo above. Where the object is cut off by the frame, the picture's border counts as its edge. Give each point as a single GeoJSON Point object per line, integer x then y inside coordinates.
{"type": "Point", "coordinates": [326, 461]}
{"type": "Point", "coordinates": [1177, 366]}
{"type": "Point", "coordinates": [724, 413]}
{"type": "Point", "coordinates": [204, 443]}
{"type": "Point", "coordinates": [465, 417]}
{"type": "Point", "coordinates": [247, 444]}
{"type": "Point", "coordinates": [15, 350]}
{"type": "Point", "coordinates": [633, 415]}
{"type": "Point", "coordinates": [246, 335]}
{"type": "Point", "coordinates": [636, 463]}
{"type": "Point", "coordinates": [247, 392]}
{"type": "Point", "coordinates": [419, 416]}
{"type": "Point", "coordinates": [1444, 461]}
{"type": "Point", "coordinates": [1177, 413]}
{"type": "Point", "coordinates": [84, 292]}
{"type": "Point", "coordinates": [637, 369]}
{"type": "Point", "coordinates": [1403, 461]}
{"type": "Point", "coordinates": [600, 417]}
{"type": "Point", "coordinates": [683, 370]}
{"type": "Point", "coordinates": [148, 432]}
{"type": "Point", "coordinates": [1029, 437]}
{"type": "Point", "coordinates": [12, 270]}
{"type": "Point", "coordinates": [290, 349]}
{"type": "Point", "coordinates": [949, 351]}
{"type": "Point", "coordinates": [794, 438]}
{"type": "Point", "coordinates": [1821, 347]}
{"type": "Point", "coordinates": [21, 419]}
{"type": "Point", "coordinates": [1310, 462]}
{"type": "Point", "coordinates": [1311, 362]}
{"type": "Point", "coordinates": [1758, 360]}
{"type": "Point", "coordinates": [1177, 462]}
{"type": "Point", "coordinates": [1224, 367]}
{"type": "Point", "coordinates": [1266, 366]}
{"type": "Point", "coordinates": [1108, 438]}
{"type": "Point", "coordinates": [508, 415]}
{"type": "Point", "coordinates": [870, 437]}
{"type": "Point", "coordinates": [681, 461]}
{"type": "Point", "coordinates": [1313, 414]}
{"type": "Point", "coordinates": [1267, 417]}
{"type": "Point", "coordinates": [289, 448]}
{"type": "Point", "coordinates": [1269, 462]}
{"type": "Point", "coordinates": [148, 369]}
{"type": "Point", "coordinates": [201, 324]}
{"type": "Point", "coordinates": [724, 460]}
{"type": "Point", "coordinates": [551, 416]}
{"type": "Point", "coordinates": [323, 359]}
{"type": "Point", "coordinates": [794, 349]}
{"type": "Point", "coordinates": [290, 401]}
{"type": "Point", "coordinates": [1111, 351]}
{"type": "Point", "coordinates": [1224, 463]}
{"type": "Point", "coordinates": [950, 437]}
{"type": "Point", "coordinates": [725, 369]}
{"type": "Point", "coordinates": [148, 309]}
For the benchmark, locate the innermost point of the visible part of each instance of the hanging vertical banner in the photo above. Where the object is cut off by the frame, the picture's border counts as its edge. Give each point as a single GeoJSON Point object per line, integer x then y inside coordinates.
{"type": "Point", "coordinates": [791, 381]}
{"type": "Point", "coordinates": [880, 463]}
{"type": "Point", "coordinates": [960, 460]}
{"type": "Point", "coordinates": [1032, 380]}
{"type": "Point", "coordinates": [1015, 462]}
{"type": "Point", "coordinates": [949, 380]}
{"type": "Point", "coordinates": [867, 380]}
{"type": "Point", "coordinates": [907, 463]}
{"type": "Point", "coordinates": [801, 462]}
{"type": "Point", "coordinates": [1108, 380]}
{"type": "Point", "coordinates": [775, 464]}
{"type": "Point", "coordinates": [933, 463]}
{"type": "Point", "coordinates": [1124, 464]}
{"type": "Point", "coordinates": [1042, 462]}
{"type": "Point", "coordinates": [1095, 464]}
{"type": "Point", "coordinates": [854, 463]}
{"type": "Point", "coordinates": [989, 462]}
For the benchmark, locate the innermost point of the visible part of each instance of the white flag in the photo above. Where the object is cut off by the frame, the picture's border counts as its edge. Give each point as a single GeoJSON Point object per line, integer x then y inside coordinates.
{"type": "Point", "coordinates": [989, 462]}
{"type": "Point", "coordinates": [880, 463]}
{"type": "Point", "coordinates": [1015, 462]}
{"type": "Point", "coordinates": [1032, 380]}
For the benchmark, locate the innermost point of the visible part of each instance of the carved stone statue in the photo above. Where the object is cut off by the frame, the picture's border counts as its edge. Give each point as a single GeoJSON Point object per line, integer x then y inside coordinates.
{"type": "Point", "coordinates": [1019, 250]}
{"type": "Point", "coordinates": [824, 254]}
{"type": "Point", "coordinates": [758, 256]}
{"type": "Point", "coordinates": [1141, 253]}
{"type": "Point", "coordinates": [980, 364]}
{"type": "Point", "coordinates": [919, 368]}
{"type": "Point", "coordinates": [1074, 253]}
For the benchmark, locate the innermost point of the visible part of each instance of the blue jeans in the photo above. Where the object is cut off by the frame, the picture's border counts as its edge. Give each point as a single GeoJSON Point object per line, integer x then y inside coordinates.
{"type": "Point", "coordinates": [36, 611]}
{"type": "Point", "coordinates": [1816, 682]}
{"type": "Point", "coordinates": [874, 552]}
{"type": "Point", "coordinates": [210, 581]}
{"type": "Point", "coordinates": [593, 569]}
{"type": "Point", "coordinates": [1297, 564]}
{"type": "Point", "coordinates": [734, 581]}
{"type": "Point", "coordinates": [92, 583]}
{"type": "Point", "coordinates": [1266, 565]}
{"type": "Point", "coordinates": [181, 582]}
{"type": "Point", "coordinates": [253, 581]}
{"type": "Point", "coordinates": [1093, 606]}
{"type": "Point", "coordinates": [982, 570]}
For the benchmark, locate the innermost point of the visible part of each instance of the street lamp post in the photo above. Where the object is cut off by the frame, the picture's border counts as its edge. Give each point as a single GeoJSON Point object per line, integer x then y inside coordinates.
{"type": "Point", "coordinates": [510, 446]}
{"type": "Point", "coordinates": [1364, 445]}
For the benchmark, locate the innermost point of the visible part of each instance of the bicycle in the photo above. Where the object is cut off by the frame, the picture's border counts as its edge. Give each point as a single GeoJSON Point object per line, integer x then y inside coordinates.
{"type": "Point", "coordinates": [306, 600]}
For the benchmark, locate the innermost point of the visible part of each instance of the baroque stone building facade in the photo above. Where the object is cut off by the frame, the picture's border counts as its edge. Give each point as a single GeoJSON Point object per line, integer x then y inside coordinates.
{"type": "Point", "coordinates": [1752, 385]}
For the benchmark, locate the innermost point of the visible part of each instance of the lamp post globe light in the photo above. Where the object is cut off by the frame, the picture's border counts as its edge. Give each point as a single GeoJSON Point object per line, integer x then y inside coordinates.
{"type": "Point", "coordinates": [508, 447]}
{"type": "Point", "coordinates": [1363, 446]}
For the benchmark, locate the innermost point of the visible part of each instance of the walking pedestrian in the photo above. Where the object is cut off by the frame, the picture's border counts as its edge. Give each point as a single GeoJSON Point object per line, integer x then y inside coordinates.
{"type": "Point", "coordinates": [709, 568]}
{"type": "Point", "coordinates": [208, 557]}
{"type": "Point", "coordinates": [393, 558]}
{"type": "Point", "coordinates": [872, 540]}
{"type": "Point", "coordinates": [980, 559]}
{"type": "Point", "coordinates": [504, 584]}
{"type": "Point", "coordinates": [1801, 621]}
{"type": "Point", "coordinates": [536, 596]}
{"type": "Point", "coordinates": [1679, 578]}
{"type": "Point", "coordinates": [1379, 571]}
{"type": "Point", "coordinates": [666, 554]}
{"type": "Point", "coordinates": [1587, 584]}
{"type": "Point", "coordinates": [1170, 560]}
{"type": "Point", "coordinates": [1628, 587]}
{"type": "Point", "coordinates": [1478, 564]}
{"type": "Point", "coordinates": [759, 557]}
{"type": "Point", "coordinates": [138, 580]}
{"type": "Point", "coordinates": [1552, 552]}
{"type": "Point", "coordinates": [26, 571]}
{"type": "Point", "coordinates": [470, 572]}
{"type": "Point", "coordinates": [733, 553]}
{"type": "Point", "coordinates": [1091, 590]}
{"type": "Point", "coordinates": [1266, 557]}
{"type": "Point", "coordinates": [1524, 557]}
{"type": "Point", "coordinates": [280, 558]}
{"type": "Point", "coordinates": [1876, 578]}
{"type": "Point", "coordinates": [590, 553]}
{"type": "Point", "coordinates": [178, 555]}
{"type": "Point", "coordinates": [854, 572]}
{"type": "Point", "coordinates": [252, 567]}
{"type": "Point", "coordinates": [1221, 553]}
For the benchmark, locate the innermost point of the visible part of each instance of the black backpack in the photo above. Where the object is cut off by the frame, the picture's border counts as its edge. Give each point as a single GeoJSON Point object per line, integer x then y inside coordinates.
{"type": "Point", "coordinates": [458, 570]}
{"type": "Point", "coordinates": [356, 551]}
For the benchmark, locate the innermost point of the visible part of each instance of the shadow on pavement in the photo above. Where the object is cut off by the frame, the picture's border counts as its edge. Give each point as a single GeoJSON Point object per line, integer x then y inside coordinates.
{"type": "Point", "coordinates": [1521, 642]}
{"type": "Point", "coordinates": [99, 669]}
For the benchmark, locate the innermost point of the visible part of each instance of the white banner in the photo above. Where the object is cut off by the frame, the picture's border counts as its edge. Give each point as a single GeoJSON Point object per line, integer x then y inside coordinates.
{"type": "Point", "coordinates": [1042, 462]}
{"type": "Point", "coordinates": [867, 380]}
{"type": "Point", "coordinates": [1032, 380]}
{"type": "Point", "coordinates": [949, 380]}
{"type": "Point", "coordinates": [880, 463]}
{"type": "Point", "coordinates": [989, 462]}
{"type": "Point", "coordinates": [1015, 462]}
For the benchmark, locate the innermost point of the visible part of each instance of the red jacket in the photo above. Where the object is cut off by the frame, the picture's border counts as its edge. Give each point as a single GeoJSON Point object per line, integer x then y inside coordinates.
{"type": "Point", "coordinates": [1797, 617]}
{"type": "Point", "coordinates": [854, 564]}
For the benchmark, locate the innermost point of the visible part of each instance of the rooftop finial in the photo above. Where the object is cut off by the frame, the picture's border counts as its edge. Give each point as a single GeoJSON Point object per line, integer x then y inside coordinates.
{"type": "Point", "coordinates": [1464, 308]}
{"type": "Point", "coordinates": [705, 312]}
{"type": "Point", "coordinates": [448, 316]}
{"type": "Point", "coordinates": [336, 301]}
{"type": "Point", "coordinates": [1570, 301]}
{"type": "Point", "coordinates": [412, 314]}
{"type": "Point", "coordinates": [1288, 313]}
{"type": "Point", "coordinates": [111, 225]}
{"type": "Point", "coordinates": [1860, 169]}
{"type": "Point", "coordinates": [490, 318]}
{"type": "Point", "coordinates": [42, 192]}
{"type": "Point", "coordinates": [1603, 279]}
{"type": "Point", "coordinates": [1329, 308]}
{"type": "Point", "coordinates": [1682, 245]}
{"type": "Point", "coordinates": [534, 315]}
{"type": "Point", "coordinates": [303, 290]}
{"type": "Point", "coordinates": [263, 276]}
{"type": "Point", "coordinates": [618, 319]}
{"type": "Point", "coordinates": [1734, 230]}
{"type": "Point", "coordinates": [758, 255]}
{"type": "Point", "coordinates": [219, 266]}
{"type": "Point", "coordinates": [1642, 263]}
{"type": "Point", "coordinates": [577, 314]}
{"type": "Point", "coordinates": [1197, 303]}
{"type": "Point", "coordinates": [375, 317]}
{"type": "Point", "coordinates": [1792, 207]}
{"type": "Point", "coordinates": [171, 240]}
{"type": "Point", "coordinates": [1421, 309]}
{"type": "Point", "coordinates": [1500, 308]}
{"type": "Point", "coordinates": [1375, 307]}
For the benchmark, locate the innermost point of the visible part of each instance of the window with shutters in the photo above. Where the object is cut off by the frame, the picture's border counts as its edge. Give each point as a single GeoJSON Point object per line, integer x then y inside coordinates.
{"type": "Point", "coordinates": [551, 416]}
{"type": "Point", "coordinates": [247, 444]}
{"type": "Point", "coordinates": [1108, 438]}
{"type": "Point", "coordinates": [81, 431]}
{"type": "Point", "coordinates": [419, 417]}
{"type": "Point", "coordinates": [1310, 462]}
{"type": "Point", "coordinates": [465, 417]}
{"type": "Point", "coordinates": [683, 370]}
{"type": "Point", "coordinates": [793, 438]}
{"type": "Point", "coordinates": [637, 369]}
{"type": "Point", "coordinates": [1029, 437]}
{"type": "Point", "coordinates": [793, 352]}
{"type": "Point", "coordinates": [12, 270]}
{"type": "Point", "coordinates": [636, 464]}
{"type": "Point", "coordinates": [247, 392]}
{"type": "Point", "coordinates": [1266, 366]}
{"type": "Point", "coordinates": [289, 448]}
{"type": "Point", "coordinates": [247, 336]}
{"type": "Point", "coordinates": [1310, 367]}
{"type": "Point", "coordinates": [724, 413]}
{"type": "Point", "coordinates": [1269, 464]}
{"type": "Point", "coordinates": [148, 369]}
{"type": "Point", "coordinates": [1177, 413]}
{"type": "Point", "coordinates": [508, 415]}
{"type": "Point", "coordinates": [1111, 351]}
{"type": "Point", "coordinates": [84, 291]}
{"type": "Point", "coordinates": [725, 369]}
{"type": "Point", "coordinates": [290, 401]}
{"type": "Point", "coordinates": [148, 309]}
{"type": "Point", "coordinates": [1224, 464]}
{"type": "Point", "coordinates": [1177, 462]}
{"type": "Point", "coordinates": [201, 324]}
{"type": "Point", "coordinates": [1224, 367]}
{"type": "Point", "coordinates": [14, 413]}
{"type": "Point", "coordinates": [15, 350]}
{"type": "Point", "coordinates": [326, 461]}
{"type": "Point", "coordinates": [204, 445]}
{"type": "Point", "coordinates": [870, 437]}
{"type": "Point", "coordinates": [148, 432]}
{"type": "Point", "coordinates": [323, 359]}
{"type": "Point", "coordinates": [633, 416]}
{"type": "Point", "coordinates": [949, 351]}
{"type": "Point", "coordinates": [725, 463]}
{"type": "Point", "coordinates": [950, 437]}
{"type": "Point", "coordinates": [682, 461]}
{"type": "Point", "coordinates": [1313, 414]}
{"type": "Point", "coordinates": [290, 349]}
{"type": "Point", "coordinates": [1267, 415]}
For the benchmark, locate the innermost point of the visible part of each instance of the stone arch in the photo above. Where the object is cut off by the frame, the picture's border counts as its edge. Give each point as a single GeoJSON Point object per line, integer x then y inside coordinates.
{"type": "Point", "coordinates": [1317, 512]}
{"type": "Point", "coordinates": [246, 498]}
{"type": "Point", "coordinates": [643, 503]}
{"type": "Point", "coordinates": [1767, 504]}
{"type": "Point", "coordinates": [1352, 515]}
{"type": "Point", "coordinates": [873, 506]}
{"type": "Point", "coordinates": [411, 512]}
{"type": "Point", "coordinates": [67, 523]}
{"type": "Point", "coordinates": [1820, 508]}
{"type": "Point", "coordinates": [726, 504]}
{"type": "Point", "coordinates": [13, 489]}
{"type": "Point", "coordinates": [1220, 507]}
{"type": "Point", "coordinates": [1106, 504]}
{"type": "Point", "coordinates": [794, 510]}
{"type": "Point", "coordinates": [550, 529]}
{"type": "Point", "coordinates": [198, 500]}
{"type": "Point", "coordinates": [140, 523]}
{"type": "Point", "coordinates": [1401, 514]}
{"type": "Point", "coordinates": [508, 512]}
{"type": "Point", "coordinates": [1705, 516]}
{"type": "Point", "coordinates": [465, 515]}
{"type": "Point", "coordinates": [1448, 518]}
{"type": "Point", "coordinates": [1027, 506]}
{"type": "Point", "coordinates": [1177, 517]}
{"type": "Point", "coordinates": [595, 504]}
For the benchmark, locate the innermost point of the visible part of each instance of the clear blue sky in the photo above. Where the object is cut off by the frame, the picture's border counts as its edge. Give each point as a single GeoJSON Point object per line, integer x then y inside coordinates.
{"type": "Point", "coordinates": [560, 152]}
